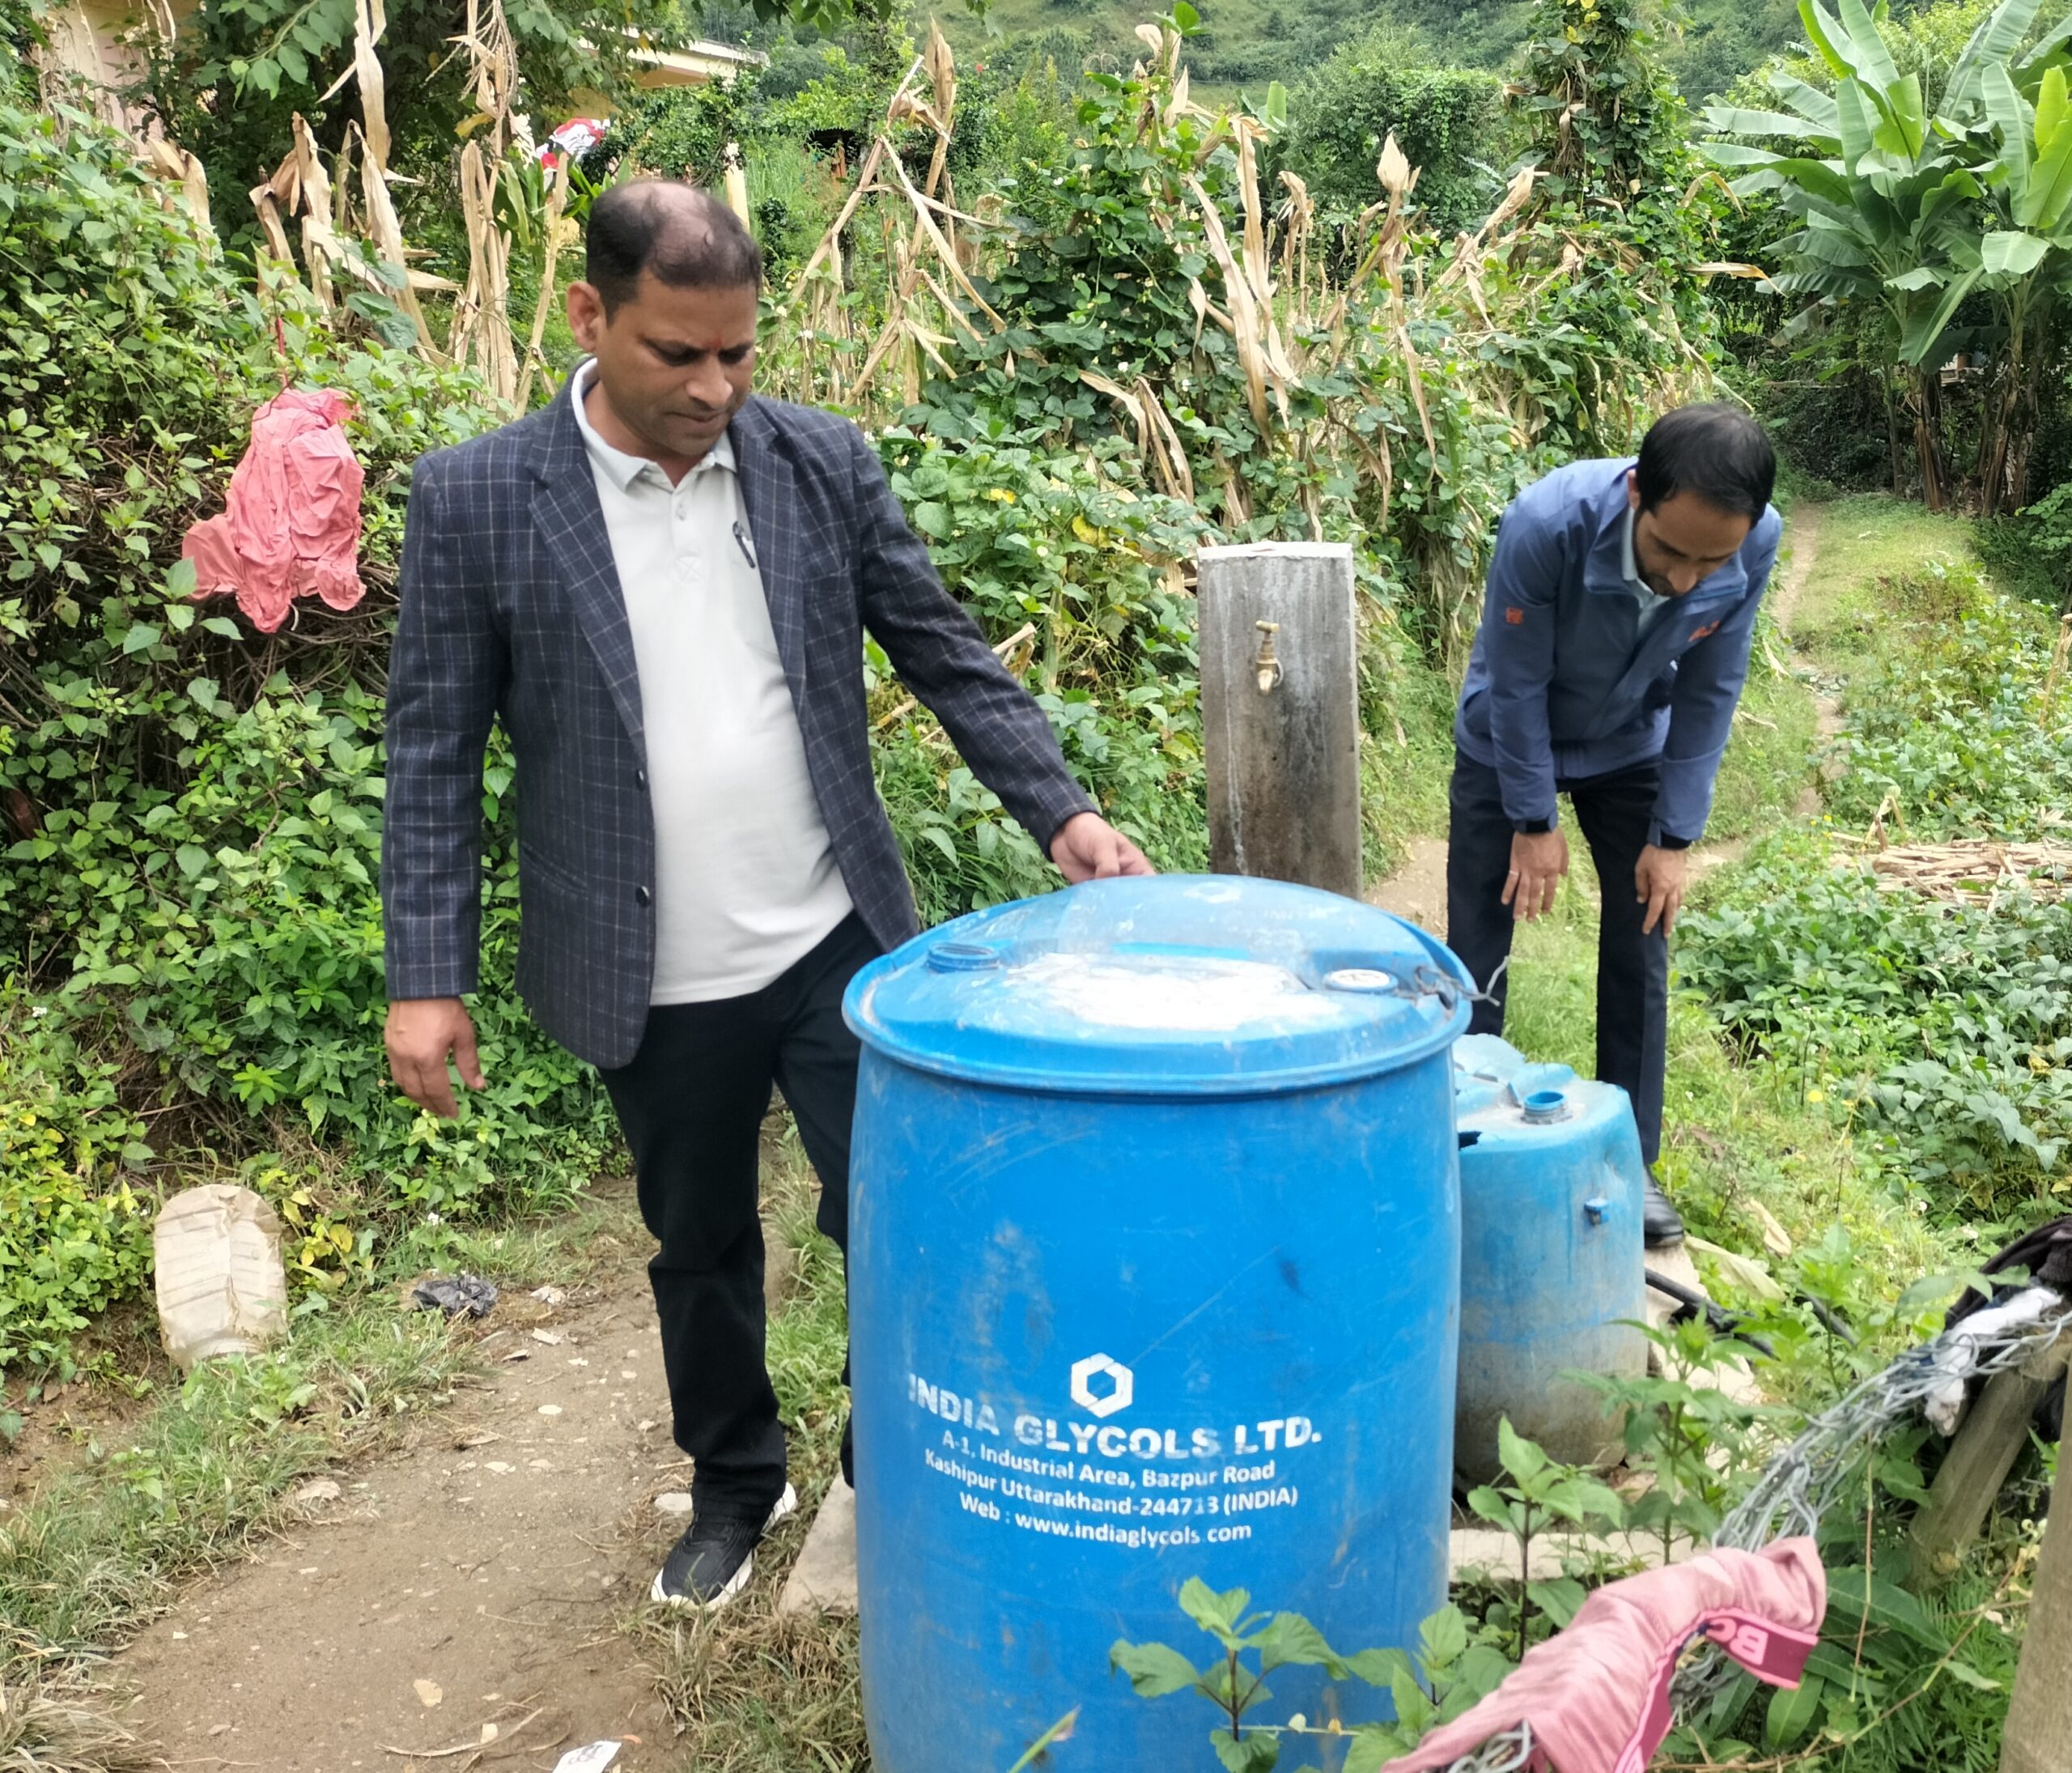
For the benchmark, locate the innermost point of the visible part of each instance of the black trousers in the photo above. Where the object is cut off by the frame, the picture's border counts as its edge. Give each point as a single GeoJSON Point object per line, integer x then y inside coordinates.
{"type": "Point", "coordinates": [692, 1104]}
{"type": "Point", "coordinates": [1614, 812]}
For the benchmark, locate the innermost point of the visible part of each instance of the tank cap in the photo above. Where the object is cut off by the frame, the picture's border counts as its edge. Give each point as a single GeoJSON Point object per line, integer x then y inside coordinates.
{"type": "Point", "coordinates": [963, 957]}
{"type": "Point", "coordinates": [1542, 1105]}
{"type": "Point", "coordinates": [1361, 979]}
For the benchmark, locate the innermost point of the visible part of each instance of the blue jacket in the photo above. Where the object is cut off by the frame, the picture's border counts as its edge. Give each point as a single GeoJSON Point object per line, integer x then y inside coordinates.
{"type": "Point", "coordinates": [1561, 685]}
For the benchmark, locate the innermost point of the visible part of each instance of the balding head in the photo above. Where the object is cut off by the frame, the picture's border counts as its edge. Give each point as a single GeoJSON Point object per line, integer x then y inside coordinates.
{"type": "Point", "coordinates": [684, 237]}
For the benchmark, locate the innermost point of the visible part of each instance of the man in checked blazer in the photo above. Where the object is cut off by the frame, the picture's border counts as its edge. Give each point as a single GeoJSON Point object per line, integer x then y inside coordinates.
{"type": "Point", "coordinates": [660, 586]}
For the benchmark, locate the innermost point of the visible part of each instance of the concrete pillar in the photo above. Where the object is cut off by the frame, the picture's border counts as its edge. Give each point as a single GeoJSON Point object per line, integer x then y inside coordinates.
{"type": "Point", "coordinates": [1281, 711]}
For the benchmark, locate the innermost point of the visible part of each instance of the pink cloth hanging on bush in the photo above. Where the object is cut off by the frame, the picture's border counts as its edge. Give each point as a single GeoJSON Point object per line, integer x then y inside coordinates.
{"type": "Point", "coordinates": [1597, 1695]}
{"type": "Point", "coordinates": [291, 527]}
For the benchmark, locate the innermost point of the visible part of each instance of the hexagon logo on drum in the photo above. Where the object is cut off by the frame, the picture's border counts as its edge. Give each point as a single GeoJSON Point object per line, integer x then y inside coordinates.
{"type": "Point", "coordinates": [1117, 1385]}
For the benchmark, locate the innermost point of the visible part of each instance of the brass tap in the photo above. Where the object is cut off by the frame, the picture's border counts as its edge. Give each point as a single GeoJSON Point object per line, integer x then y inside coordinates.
{"type": "Point", "coordinates": [1267, 666]}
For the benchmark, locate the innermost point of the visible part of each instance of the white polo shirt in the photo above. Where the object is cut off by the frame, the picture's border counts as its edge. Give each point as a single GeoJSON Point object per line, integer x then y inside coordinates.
{"type": "Point", "coordinates": [745, 882]}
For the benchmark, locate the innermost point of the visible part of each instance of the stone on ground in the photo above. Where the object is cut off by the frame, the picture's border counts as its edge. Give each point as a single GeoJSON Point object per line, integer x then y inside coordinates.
{"type": "Point", "coordinates": [824, 1580]}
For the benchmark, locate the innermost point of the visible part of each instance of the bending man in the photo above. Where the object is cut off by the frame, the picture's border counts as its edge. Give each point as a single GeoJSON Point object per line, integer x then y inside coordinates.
{"type": "Point", "coordinates": [1615, 628]}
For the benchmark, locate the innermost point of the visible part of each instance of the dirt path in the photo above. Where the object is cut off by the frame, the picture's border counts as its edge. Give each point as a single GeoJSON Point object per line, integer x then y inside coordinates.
{"type": "Point", "coordinates": [1806, 523]}
{"type": "Point", "coordinates": [1417, 890]}
{"type": "Point", "coordinates": [1806, 526]}
{"type": "Point", "coordinates": [476, 1578]}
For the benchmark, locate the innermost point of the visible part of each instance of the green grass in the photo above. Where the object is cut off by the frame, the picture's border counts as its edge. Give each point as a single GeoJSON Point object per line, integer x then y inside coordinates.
{"type": "Point", "coordinates": [1865, 540]}
{"type": "Point", "coordinates": [1770, 757]}
{"type": "Point", "coordinates": [98, 1550]}
{"type": "Point", "coordinates": [1732, 1135]}
{"type": "Point", "coordinates": [1407, 746]}
{"type": "Point", "coordinates": [205, 1470]}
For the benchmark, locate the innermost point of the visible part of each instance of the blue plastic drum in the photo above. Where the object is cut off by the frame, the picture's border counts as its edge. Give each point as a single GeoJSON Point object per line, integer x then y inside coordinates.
{"type": "Point", "coordinates": [1154, 1262]}
{"type": "Point", "coordinates": [1552, 1276]}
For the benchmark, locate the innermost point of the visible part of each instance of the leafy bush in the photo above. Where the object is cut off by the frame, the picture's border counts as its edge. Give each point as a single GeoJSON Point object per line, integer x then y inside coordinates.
{"type": "Point", "coordinates": [1011, 112]}
{"type": "Point", "coordinates": [682, 132]}
{"type": "Point", "coordinates": [193, 811]}
{"type": "Point", "coordinates": [2032, 550]}
{"type": "Point", "coordinates": [1948, 731]}
{"type": "Point", "coordinates": [74, 1233]}
{"type": "Point", "coordinates": [1945, 1030]}
{"type": "Point", "coordinates": [1448, 121]}
{"type": "Point", "coordinates": [1052, 542]}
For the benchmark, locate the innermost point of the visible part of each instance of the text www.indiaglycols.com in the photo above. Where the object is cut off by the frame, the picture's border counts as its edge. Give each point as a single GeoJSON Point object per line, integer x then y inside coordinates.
{"type": "Point", "coordinates": [1135, 1538]}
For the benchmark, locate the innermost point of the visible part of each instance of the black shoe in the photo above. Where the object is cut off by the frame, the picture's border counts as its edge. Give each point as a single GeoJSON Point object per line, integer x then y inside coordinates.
{"type": "Point", "coordinates": [1661, 1224]}
{"type": "Point", "coordinates": [715, 1558]}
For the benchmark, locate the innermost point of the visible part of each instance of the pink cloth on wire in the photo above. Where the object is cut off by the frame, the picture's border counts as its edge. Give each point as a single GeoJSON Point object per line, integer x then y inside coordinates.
{"type": "Point", "coordinates": [290, 526]}
{"type": "Point", "coordinates": [1597, 1695]}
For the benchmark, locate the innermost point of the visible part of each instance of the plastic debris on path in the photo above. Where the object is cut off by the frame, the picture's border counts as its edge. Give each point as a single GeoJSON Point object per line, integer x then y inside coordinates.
{"type": "Point", "coordinates": [463, 1294]}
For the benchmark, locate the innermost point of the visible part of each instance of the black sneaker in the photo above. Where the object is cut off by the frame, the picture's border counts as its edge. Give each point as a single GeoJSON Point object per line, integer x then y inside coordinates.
{"type": "Point", "coordinates": [715, 1558]}
{"type": "Point", "coordinates": [1661, 1224]}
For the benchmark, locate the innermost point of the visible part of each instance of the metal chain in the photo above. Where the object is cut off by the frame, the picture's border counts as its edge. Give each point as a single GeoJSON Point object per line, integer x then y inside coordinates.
{"type": "Point", "coordinates": [1431, 981]}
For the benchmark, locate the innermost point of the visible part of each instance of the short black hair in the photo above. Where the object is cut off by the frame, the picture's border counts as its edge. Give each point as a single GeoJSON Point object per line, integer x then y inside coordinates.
{"type": "Point", "coordinates": [686, 238]}
{"type": "Point", "coordinates": [1716, 453]}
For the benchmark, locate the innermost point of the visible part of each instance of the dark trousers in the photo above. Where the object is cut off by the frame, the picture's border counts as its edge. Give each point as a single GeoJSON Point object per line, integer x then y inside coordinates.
{"type": "Point", "coordinates": [692, 1105]}
{"type": "Point", "coordinates": [1614, 812]}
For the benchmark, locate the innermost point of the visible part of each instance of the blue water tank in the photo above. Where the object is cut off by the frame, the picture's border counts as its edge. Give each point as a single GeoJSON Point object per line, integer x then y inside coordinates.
{"type": "Point", "coordinates": [1154, 1267]}
{"type": "Point", "coordinates": [1552, 1267]}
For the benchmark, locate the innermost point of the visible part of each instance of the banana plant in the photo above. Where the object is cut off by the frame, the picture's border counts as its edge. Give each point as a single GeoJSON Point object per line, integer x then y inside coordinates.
{"type": "Point", "coordinates": [1887, 200]}
{"type": "Point", "coordinates": [2024, 259]}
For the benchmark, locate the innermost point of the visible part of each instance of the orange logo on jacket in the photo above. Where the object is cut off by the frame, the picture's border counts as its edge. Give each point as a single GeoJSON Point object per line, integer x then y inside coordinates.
{"type": "Point", "coordinates": [1514, 615]}
{"type": "Point", "coordinates": [1706, 632]}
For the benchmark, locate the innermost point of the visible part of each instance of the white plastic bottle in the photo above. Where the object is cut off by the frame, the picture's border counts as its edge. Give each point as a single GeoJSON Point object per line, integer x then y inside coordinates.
{"type": "Point", "coordinates": [221, 1286]}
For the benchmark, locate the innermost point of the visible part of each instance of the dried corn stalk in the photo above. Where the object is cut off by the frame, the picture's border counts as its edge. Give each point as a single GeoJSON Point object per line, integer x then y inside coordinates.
{"type": "Point", "coordinates": [1297, 219]}
{"type": "Point", "coordinates": [300, 187]}
{"type": "Point", "coordinates": [1158, 444]}
{"type": "Point", "coordinates": [918, 226]}
{"type": "Point", "coordinates": [173, 163]}
{"type": "Point", "coordinates": [370, 20]}
{"type": "Point", "coordinates": [319, 243]}
{"type": "Point", "coordinates": [1971, 869]}
{"type": "Point", "coordinates": [561, 234]}
{"type": "Point", "coordinates": [480, 331]}
{"type": "Point", "coordinates": [284, 187]}
{"type": "Point", "coordinates": [1246, 324]}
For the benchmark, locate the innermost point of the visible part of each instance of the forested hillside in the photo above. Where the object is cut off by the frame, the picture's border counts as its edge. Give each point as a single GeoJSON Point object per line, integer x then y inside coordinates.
{"type": "Point", "coordinates": [1249, 43]}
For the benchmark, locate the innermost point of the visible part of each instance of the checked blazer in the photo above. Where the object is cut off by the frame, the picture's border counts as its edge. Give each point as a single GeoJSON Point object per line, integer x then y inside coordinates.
{"type": "Point", "coordinates": [511, 609]}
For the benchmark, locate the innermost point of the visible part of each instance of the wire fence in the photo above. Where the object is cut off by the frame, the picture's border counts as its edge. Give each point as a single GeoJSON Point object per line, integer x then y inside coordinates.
{"type": "Point", "coordinates": [1803, 1482]}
